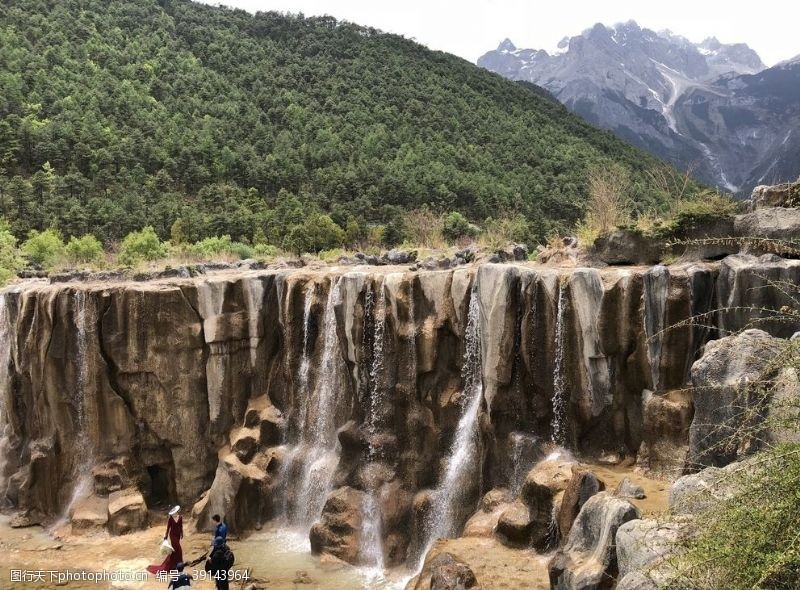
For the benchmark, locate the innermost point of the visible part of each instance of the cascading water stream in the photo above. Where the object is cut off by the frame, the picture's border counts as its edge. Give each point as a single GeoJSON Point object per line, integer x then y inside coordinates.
{"type": "Point", "coordinates": [450, 502]}
{"type": "Point", "coordinates": [558, 422]}
{"type": "Point", "coordinates": [254, 296]}
{"type": "Point", "coordinates": [5, 360]}
{"type": "Point", "coordinates": [371, 549]}
{"type": "Point", "coordinates": [317, 435]}
{"type": "Point", "coordinates": [305, 363]}
{"type": "Point", "coordinates": [83, 319]}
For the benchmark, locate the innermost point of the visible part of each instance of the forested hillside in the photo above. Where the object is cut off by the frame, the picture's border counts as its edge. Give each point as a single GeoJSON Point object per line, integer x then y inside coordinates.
{"type": "Point", "coordinates": [119, 114]}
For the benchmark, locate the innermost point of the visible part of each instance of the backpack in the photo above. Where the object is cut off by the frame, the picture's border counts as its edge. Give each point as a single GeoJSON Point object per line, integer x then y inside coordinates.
{"type": "Point", "coordinates": [228, 557]}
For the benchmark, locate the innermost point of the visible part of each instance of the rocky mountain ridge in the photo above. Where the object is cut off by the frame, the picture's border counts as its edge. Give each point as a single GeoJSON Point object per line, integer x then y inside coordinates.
{"type": "Point", "coordinates": [709, 107]}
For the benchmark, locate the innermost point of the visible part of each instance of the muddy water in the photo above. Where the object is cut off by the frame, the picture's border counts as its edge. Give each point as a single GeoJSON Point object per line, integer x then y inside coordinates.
{"type": "Point", "coordinates": [273, 559]}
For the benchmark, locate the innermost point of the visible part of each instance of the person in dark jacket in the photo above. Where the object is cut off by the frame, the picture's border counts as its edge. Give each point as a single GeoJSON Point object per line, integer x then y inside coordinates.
{"type": "Point", "coordinates": [181, 580]}
{"type": "Point", "coordinates": [219, 563]}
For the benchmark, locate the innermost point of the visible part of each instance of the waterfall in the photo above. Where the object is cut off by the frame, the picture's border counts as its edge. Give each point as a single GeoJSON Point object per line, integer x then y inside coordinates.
{"type": "Point", "coordinates": [371, 549]}
{"type": "Point", "coordinates": [318, 433]}
{"type": "Point", "coordinates": [450, 502]}
{"type": "Point", "coordinates": [211, 300]}
{"type": "Point", "coordinates": [302, 394]}
{"type": "Point", "coordinates": [524, 455]}
{"type": "Point", "coordinates": [254, 297]}
{"type": "Point", "coordinates": [558, 422]}
{"type": "Point", "coordinates": [656, 290]}
{"type": "Point", "coordinates": [5, 361]}
{"type": "Point", "coordinates": [83, 317]}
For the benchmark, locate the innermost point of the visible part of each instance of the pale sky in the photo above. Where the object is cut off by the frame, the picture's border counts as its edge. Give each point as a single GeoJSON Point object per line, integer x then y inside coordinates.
{"type": "Point", "coordinates": [469, 28]}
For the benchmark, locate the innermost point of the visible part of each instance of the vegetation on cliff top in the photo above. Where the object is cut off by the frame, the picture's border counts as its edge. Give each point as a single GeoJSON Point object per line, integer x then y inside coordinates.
{"type": "Point", "coordinates": [119, 115]}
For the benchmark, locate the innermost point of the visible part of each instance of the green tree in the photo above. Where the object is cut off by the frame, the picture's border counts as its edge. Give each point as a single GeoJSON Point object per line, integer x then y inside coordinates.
{"type": "Point", "coordinates": [140, 246]}
{"type": "Point", "coordinates": [85, 249]}
{"type": "Point", "coordinates": [10, 262]}
{"type": "Point", "coordinates": [44, 248]}
{"type": "Point", "coordinates": [317, 232]}
{"type": "Point", "coordinates": [456, 227]}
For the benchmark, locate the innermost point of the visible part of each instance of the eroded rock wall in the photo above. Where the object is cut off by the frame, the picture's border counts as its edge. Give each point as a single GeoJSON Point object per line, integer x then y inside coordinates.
{"type": "Point", "coordinates": [244, 390]}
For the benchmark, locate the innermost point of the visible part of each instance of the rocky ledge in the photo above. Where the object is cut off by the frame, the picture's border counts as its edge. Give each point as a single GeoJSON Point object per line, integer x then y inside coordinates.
{"type": "Point", "coordinates": [355, 401]}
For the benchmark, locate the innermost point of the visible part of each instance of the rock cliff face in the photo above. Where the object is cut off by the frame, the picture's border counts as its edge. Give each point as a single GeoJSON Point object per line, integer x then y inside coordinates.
{"type": "Point", "coordinates": [350, 400]}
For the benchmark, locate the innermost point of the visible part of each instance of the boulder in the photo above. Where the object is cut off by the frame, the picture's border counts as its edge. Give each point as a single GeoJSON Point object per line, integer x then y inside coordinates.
{"type": "Point", "coordinates": [484, 521]}
{"type": "Point", "coordinates": [444, 571]}
{"type": "Point", "coordinates": [627, 489]}
{"type": "Point", "coordinates": [727, 411]}
{"type": "Point", "coordinates": [339, 530]}
{"type": "Point", "coordinates": [644, 548]}
{"type": "Point", "coordinates": [127, 511]}
{"type": "Point", "coordinates": [779, 195]}
{"type": "Point", "coordinates": [545, 480]}
{"type": "Point", "coordinates": [89, 513]}
{"type": "Point", "coordinates": [588, 560]}
{"type": "Point", "coordinates": [777, 223]}
{"type": "Point", "coordinates": [665, 433]}
{"type": "Point", "coordinates": [624, 246]}
{"type": "Point", "coordinates": [516, 526]}
{"type": "Point", "coordinates": [447, 573]}
{"type": "Point", "coordinates": [582, 485]}
{"type": "Point", "coordinates": [696, 492]}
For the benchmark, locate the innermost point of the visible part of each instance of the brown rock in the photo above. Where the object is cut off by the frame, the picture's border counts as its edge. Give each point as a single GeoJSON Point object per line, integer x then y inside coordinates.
{"type": "Point", "coordinates": [582, 485]}
{"type": "Point", "coordinates": [339, 529]}
{"type": "Point", "coordinates": [127, 512]}
{"type": "Point", "coordinates": [665, 434]}
{"type": "Point", "coordinates": [89, 513]}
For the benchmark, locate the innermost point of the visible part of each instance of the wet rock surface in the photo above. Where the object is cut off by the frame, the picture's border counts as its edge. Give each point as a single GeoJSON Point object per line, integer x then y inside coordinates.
{"type": "Point", "coordinates": [588, 560]}
{"type": "Point", "coordinates": [223, 391]}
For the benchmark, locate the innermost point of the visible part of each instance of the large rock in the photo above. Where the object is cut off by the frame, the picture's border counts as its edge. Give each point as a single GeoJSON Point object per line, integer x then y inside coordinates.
{"type": "Point", "coordinates": [624, 246]}
{"type": "Point", "coordinates": [582, 485]}
{"type": "Point", "coordinates": [779, 195]}
{"type": "Point", "coordinates": [777, 223]}
{"type": "Point", "coordinates": [697, 492]}
{"type": "Point", "coordinates": [339, 530]}
{"type": "Point", "coordinates": [665, 434]}
{"type": "Point", "coordinates": [226, 387]}
{"type": "Point", "coordinates": [588, 560]}
{"type": "Point", "coordinates": [644, 549]}
{"type": "Point", "coordinates": [127, 511]}
{"type": "Point", "coordinates": [484, 522]}
{"type": "Point", "coordinates": [447, 573]}
{"type": "Point", "coordinates": [88, 513]}
{"type": "Point", "coordinates": [727, 399]}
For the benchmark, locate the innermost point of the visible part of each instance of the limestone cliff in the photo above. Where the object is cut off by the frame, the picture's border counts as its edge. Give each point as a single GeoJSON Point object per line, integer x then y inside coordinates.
{"type": "Point", "coordinates": [338, 397]}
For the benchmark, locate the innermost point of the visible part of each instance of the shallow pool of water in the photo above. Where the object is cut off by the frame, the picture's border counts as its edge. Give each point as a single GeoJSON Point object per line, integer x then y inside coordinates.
{"type": "Point", "coordinates": [283, 559]}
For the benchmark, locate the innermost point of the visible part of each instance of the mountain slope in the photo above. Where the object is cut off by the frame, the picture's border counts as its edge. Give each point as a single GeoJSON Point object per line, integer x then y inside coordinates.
{"type": "Point", "coordinates": [146, 112]}
{"type": "Point", "coordinates": [642, 84]}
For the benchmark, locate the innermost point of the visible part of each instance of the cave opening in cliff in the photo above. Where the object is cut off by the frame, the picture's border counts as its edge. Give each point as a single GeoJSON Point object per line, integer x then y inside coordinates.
{"type": "Point", "coordinates": [162, 486]}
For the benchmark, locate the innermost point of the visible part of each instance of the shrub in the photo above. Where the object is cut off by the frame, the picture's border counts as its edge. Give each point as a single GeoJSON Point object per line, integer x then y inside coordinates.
{"type": "Point", "coordinates": [139, 246]}
{"type": "Point", "coordinates": [10, 262]}
{"type": "Point", "coordinates": [177, 233]}
{"type": "Point", "coordinates": [317, 232]}
{"type": "Point", "coordinates": [44, 248]}
{"type": "Point", "coordinates": [241, 250]}
{"type": "Point", "coordinates": [261, 250]}
{"type": "Point", "coordinates": [85, 249]}
{"type": "Point", "coordinates": [456, 227]}
{"type": "Point", "coordinates": [586, 234]}
{"type": "Point", "coordinates": [424, 228]}
{"type": "Point", "coordinates": [331, 255]}
{"type": "Point", "coordinates": [609, 205]}
{"type": "Point", "coordinates": [498, 233]}
{"type": "Point", "coordinates": [211, 247]}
